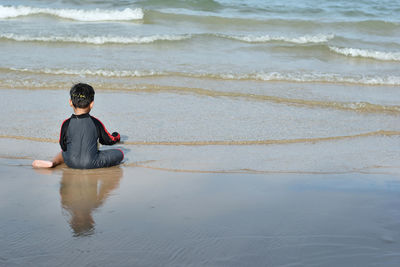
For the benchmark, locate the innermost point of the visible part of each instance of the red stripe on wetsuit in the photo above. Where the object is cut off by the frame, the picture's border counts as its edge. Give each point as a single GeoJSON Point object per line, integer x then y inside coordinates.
{"type": "Point", "coordinates": [113, 138]}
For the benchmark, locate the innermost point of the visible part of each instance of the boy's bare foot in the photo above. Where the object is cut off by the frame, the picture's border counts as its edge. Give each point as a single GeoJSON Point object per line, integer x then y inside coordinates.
{"type": "Point", "coordinates": [42, 164]}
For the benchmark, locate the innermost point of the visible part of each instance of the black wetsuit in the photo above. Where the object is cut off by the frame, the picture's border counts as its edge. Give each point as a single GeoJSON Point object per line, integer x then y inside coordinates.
{"type": "Point", "coordinates": [78, 140]}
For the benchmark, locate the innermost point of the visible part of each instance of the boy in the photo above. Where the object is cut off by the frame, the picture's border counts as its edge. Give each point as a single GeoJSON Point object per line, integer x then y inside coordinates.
{"type": "Point", "coordinates": [79, 136]}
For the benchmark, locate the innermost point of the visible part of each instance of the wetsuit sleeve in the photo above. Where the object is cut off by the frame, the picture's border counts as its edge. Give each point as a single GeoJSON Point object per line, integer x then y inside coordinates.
{"type": "Point", "coordinates": [105, 138]}
{"type": "Point", "coordinates": [63, 135]}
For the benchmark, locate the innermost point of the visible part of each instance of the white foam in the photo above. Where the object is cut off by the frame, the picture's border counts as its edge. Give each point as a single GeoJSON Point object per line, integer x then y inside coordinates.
{"type": "Point", "coordinates": [98, 72]}
{"type": "Point", "coordinates": [159, 37]}
{"type": "Point", "coordinates": [98, 40]}
{"type": "Point", "coordinates": [323, 78]}
{"type": "Point", "coordinates": [303, 77]}
{"type": "Point", "coordinates": [355, 52]}
{"type": "Point", "coordinates": [74, 14]}
{"type": "Point", "coordinates": [319, 38]}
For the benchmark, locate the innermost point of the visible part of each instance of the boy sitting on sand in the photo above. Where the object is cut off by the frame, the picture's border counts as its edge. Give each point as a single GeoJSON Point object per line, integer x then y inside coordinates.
{"type": "Point", "coordinates": [79, 136]}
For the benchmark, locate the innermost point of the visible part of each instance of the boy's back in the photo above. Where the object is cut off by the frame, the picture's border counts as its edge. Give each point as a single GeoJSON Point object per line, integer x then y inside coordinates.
{"type": "Point", "coordinates": [78, 140]}
{"type": "Point", "coordinates": [79, 135]}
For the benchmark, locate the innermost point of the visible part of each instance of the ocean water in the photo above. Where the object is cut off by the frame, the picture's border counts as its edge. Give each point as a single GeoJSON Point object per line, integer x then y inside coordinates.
{"type": "Point", "coordinates": [212, 73]}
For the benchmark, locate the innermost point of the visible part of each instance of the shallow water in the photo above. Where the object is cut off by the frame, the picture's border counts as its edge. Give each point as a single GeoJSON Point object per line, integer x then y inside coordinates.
{"type": "Point", "coordinates": [237, 133]}
{"type": "Point", "coordinates": [191, 71]}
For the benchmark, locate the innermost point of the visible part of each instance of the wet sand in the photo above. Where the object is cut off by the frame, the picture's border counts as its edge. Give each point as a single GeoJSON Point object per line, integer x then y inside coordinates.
{"type": "Point", "coordinates": [239, 184]}
{"type": "Point", "coordinates": [136, 216]}
{"type": "Point", "coordinates": [255, 133]}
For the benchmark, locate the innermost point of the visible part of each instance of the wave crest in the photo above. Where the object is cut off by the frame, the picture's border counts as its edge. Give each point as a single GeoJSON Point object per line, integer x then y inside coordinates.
{"type": "Point", "coordinates": [300, 77]}
{"type": "Point", "coordinates": [319, 38]}
{"type": "Point", "coordinates": [364, 53]}
{"type": "Point", "coordinates": [98, 72]}
{"type": "Point", "coordinates": [98, 40]}
{"type": "Point", "coordinates": [316, 77]}
{"type": "Point", "coordinates": [74, 14]}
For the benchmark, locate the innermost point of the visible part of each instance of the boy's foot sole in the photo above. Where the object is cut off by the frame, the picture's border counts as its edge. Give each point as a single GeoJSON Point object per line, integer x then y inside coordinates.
{"type": "Point", "coordinates": [42, 164]}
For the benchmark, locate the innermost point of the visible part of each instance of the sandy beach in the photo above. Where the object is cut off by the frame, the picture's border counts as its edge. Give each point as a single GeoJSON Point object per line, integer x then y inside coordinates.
{"type": "Point", "coordinates": [135, 216]}
{"type": "Point", "coordinates": [255, 133]}
{"type": "Point", "coordinates": [170, 205]}
{"type": "Point", "coordinates": [326, 200]}
{"type": "Point", "coordinates": [199, 189]}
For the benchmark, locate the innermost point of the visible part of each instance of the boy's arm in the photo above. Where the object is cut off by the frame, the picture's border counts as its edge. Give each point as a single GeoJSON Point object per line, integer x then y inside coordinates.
{"type": "Point", "coordinates": [63, 134]}
{"type": "Point", "coordinates": [105, 138]}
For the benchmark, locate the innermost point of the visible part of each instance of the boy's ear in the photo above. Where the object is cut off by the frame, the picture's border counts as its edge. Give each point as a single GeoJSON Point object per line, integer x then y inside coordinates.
{"type": "Point", "coordinates": [91, 104]}
{"type": "Point", "coordinates": [70, 103]}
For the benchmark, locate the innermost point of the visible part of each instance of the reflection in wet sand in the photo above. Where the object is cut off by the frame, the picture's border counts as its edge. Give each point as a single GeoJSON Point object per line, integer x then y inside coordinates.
{"type": "Point", "coordinates": [83, 191]}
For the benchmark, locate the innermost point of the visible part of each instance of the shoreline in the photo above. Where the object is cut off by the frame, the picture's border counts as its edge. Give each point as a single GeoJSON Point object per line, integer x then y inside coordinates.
{"type": "Point", "coordinates": [356, 155]}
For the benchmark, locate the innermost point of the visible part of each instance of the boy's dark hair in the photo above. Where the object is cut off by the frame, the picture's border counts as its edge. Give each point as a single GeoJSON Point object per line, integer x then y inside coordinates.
{"type": "Point", "coordinates": [82, 95]}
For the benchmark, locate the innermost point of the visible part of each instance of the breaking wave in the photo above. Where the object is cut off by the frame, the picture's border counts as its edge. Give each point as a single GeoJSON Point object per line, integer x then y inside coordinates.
{"type": "Point", "coordinates": [98, 40]}
{"type": "Point", "coordinates": [108, 39]}
{"type": "Point", "coordinates": [355, 106]}
{"type": "Point", "coordinates": [74, 14]}
{"type": "Point", "coordinates": [301, 77]}
{"type": "Point", "coordinates": [316, 77]}
{"type": "Point", "coordinates": [320, 38]}
{"type": "Point", "coordinates": [364, 53]}
{"type": "Point", "coordinates": [99, 72]}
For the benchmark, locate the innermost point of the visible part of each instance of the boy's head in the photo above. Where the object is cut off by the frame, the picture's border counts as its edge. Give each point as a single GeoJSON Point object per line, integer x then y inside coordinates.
{"type": "Point", "coordinates": [82, 95]}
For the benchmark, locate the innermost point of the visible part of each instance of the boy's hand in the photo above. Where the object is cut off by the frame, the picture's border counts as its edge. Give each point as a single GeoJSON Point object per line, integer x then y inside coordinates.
{"type": "Point", "coordinates": [117, 136]}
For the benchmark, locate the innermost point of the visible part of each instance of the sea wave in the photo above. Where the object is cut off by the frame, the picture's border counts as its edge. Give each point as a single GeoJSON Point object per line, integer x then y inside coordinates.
{"type": "Point", "coordinates": [74, 14]}
{"type": "Point", "coordinates": [98, 40]}
{"type": "Point", "coordinates": [319, 38]}
{"type": "Point", "coordinates": [355, 106]}
{"type": "Point", "coordinates": [316, 77]}
{"type": "Point", "coordinates": [108, 39]}
{"type": "Point", "coordinates": [98, 72]}
{"type": "Point", "coordinates": [251, 21]}
{"type": "Point", "coordinates": [364, 53]}
{"type": "Point", "coordinates": [300, 77]}
{"type": "Point", "coordinates": [207, 16]}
